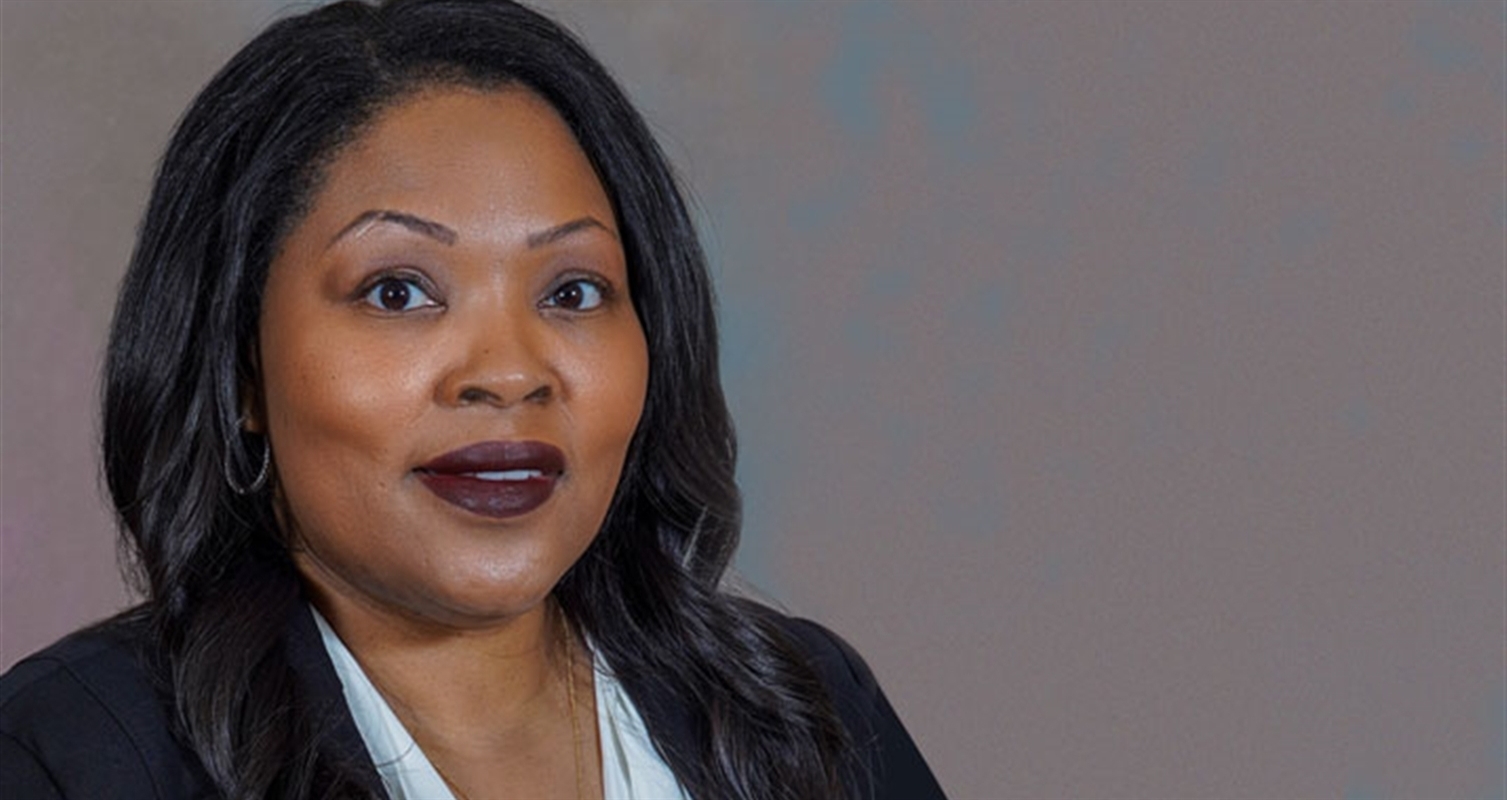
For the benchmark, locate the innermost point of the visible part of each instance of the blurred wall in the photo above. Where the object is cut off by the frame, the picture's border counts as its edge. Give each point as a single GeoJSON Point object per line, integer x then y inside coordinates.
{"type": "Point", "coordinates": [1125, 380]}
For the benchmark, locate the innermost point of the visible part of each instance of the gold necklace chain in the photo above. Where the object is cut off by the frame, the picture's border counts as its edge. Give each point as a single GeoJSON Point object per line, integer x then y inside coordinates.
{"type": "Point", "coordinates": [575, 718]}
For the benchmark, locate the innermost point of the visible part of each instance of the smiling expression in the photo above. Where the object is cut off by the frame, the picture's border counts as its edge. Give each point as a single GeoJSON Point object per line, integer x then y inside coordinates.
{"type": "Point", "coordinates": [451, 368]}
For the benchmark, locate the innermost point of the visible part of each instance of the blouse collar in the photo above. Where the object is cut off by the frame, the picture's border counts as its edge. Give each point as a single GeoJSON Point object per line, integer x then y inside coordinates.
{"type": "Point", "coordinates": [631, 766]}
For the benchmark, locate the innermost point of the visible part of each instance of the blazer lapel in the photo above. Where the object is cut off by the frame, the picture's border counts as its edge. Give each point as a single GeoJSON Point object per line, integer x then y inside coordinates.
{"type": "Point", "coordinates": [318, 684]}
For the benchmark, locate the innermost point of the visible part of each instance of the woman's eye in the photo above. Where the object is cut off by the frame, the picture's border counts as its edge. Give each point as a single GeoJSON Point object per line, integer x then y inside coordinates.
{"type": "Point", "coordinates": [398, 294]}
{"type": "Point", "coordinates": [577, 295]}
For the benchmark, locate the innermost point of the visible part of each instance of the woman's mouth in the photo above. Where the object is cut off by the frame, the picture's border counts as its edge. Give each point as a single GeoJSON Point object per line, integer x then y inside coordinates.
{"type": "Point", "coordinates": [495, 479]}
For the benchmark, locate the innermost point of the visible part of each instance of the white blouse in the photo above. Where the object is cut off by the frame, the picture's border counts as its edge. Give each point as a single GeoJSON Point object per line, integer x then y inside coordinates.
{"type": "Point", "coordinates": [631, 767]}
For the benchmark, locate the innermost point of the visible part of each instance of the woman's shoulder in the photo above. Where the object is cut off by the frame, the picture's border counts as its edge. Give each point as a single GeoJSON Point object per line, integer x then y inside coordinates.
{"type": "Point", "coordinates": [892, 761]}
{"type": "Point", "coordinates": [89, 668]}
{"type": "Point", "coordinates": [839, 664]}
{"type": "Point", "coordinates": [82, 718]}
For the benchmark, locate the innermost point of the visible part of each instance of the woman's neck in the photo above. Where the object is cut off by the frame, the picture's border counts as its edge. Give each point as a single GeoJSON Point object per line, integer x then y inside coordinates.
{"type": "Point", "coordinates": [488, 683]}
{"type": "Point", "coordinates": [502, 707]}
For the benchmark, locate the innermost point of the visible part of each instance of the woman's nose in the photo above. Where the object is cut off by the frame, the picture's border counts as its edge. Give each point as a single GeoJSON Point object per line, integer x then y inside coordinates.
{"type": "Point", "coordinates": [502, 363]}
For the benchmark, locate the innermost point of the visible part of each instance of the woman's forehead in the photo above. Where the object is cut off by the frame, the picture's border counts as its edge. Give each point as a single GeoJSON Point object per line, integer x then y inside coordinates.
{"type": "Point", "coordinates": [503, 162]}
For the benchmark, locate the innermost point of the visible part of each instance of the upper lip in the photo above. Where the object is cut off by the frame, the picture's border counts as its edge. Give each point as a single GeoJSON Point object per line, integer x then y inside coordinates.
{"type": "Point", "coordinates": [499, 457]}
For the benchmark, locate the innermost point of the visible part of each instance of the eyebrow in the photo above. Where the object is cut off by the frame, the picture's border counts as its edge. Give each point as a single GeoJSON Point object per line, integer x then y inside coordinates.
{"type": "Point", "coordinates": [561, 231]}
{"type": "Point", "coordinates": [444, 235]}
{"type": "Point", "coordinates": [418, 225]}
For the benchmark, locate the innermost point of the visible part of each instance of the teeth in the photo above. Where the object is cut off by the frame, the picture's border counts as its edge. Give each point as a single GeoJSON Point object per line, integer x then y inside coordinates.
{"type": "Point", "coordinates": [508, 475]}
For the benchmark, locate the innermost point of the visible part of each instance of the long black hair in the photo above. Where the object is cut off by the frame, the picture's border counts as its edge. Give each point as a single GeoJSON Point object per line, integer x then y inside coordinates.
{"type": "Point", "coordinates": [240, 172]}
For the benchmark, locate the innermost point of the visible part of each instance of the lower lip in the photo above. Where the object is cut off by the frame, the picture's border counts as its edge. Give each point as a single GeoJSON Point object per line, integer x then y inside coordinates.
{"type": "Point", "coordinates": [495, 499]}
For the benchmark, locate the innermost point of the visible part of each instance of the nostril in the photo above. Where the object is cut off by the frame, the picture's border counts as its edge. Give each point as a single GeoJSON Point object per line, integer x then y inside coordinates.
{"type": "Point", "coordinates": [500, 396]}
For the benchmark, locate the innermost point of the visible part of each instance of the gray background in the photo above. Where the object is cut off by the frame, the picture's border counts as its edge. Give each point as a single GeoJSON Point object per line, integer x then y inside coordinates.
{"type": "Point", "coordinates": [1125, 380]}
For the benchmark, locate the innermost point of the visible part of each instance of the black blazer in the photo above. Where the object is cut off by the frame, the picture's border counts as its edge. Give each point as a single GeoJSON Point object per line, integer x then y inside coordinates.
{"type": "Point", "coordinates": [82, 719]}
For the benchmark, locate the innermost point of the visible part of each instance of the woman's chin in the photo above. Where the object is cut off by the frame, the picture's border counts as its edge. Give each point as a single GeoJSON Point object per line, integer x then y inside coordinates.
{"type": "Point", "coordinates": [464, 599]}
{"type": "Point", "coordinates": [480, 610]}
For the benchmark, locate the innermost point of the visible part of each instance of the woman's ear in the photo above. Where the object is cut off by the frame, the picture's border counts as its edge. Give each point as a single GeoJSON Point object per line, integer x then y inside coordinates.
{"type": "Point", "coordinates": [253, 410]}
{"type": "Point", "coordinates": [252, 418]}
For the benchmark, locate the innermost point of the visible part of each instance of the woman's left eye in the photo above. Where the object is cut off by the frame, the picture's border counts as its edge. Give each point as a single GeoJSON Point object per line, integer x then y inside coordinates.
{"type": "Point", "coordinates": [577, 295]}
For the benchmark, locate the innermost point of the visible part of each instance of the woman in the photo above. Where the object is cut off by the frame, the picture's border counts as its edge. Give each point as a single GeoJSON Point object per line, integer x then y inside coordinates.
{"type": "Point", "coordinates": [413, 426]}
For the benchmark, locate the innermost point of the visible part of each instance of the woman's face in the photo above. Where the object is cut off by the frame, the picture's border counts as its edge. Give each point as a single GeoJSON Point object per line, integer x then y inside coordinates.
{"type": "Point", "coordinates": [451, 366]}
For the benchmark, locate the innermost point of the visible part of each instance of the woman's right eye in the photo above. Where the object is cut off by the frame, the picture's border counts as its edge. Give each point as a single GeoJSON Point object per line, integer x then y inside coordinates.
{"type": "Point", "coordinates": [398, 294]}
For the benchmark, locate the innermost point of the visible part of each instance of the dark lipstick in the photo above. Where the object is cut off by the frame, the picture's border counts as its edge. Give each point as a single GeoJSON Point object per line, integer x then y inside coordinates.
{"type": "Point", "coordinates": [495, 479]}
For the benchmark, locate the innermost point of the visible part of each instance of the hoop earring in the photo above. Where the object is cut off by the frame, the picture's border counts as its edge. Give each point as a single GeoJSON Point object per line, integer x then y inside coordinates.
{"type": "Point", "coordinates": [261, 475]}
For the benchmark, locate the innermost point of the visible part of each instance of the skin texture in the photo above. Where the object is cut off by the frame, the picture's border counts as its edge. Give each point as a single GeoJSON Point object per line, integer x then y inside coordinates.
{"type": "Point", "coordinates": [468, 314]}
